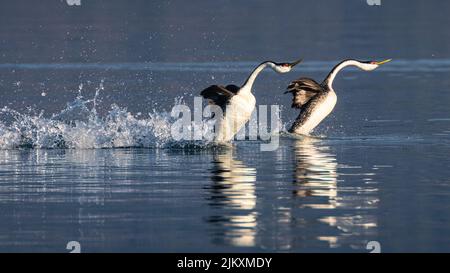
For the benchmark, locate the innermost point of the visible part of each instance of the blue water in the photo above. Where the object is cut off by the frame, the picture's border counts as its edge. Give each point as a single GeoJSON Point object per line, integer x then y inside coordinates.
{"type": "Point", "coordinates": [85, 153]}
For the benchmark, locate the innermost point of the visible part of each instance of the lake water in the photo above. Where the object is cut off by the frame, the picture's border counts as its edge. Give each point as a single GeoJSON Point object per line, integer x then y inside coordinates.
{"type": "Point", "coordinates": [85, 154]}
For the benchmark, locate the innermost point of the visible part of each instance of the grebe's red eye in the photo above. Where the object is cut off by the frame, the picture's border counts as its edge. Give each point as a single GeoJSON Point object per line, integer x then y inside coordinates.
{"type": "Point", "coordinates": [373, 62]}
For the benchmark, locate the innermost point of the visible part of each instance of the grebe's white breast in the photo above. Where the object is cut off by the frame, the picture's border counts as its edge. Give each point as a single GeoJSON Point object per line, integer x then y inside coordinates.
{"type": "Point", "coordinates": [238, 112]}
{"type": "Point", "coordinates": [314, 112]}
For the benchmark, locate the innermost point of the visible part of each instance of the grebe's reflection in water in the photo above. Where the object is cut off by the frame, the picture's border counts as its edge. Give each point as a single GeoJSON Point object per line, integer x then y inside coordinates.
{"type": "Point", "coordinates": [232, 194]}
{"type": "Point", "coordinates": [315, 174]}
{"type": "Point", "coordinates": [344, 195]}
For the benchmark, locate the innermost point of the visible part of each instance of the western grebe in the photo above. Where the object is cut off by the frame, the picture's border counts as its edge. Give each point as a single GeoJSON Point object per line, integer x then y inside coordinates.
{"type": "Point", "coordinates": [238, 103]}
{"type": "Point", "coordinates": [316, 101]}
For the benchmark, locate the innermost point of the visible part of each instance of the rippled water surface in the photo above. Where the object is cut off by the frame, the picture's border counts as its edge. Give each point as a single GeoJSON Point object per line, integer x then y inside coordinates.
{"type": "Point", "coordinates": [86, 153]}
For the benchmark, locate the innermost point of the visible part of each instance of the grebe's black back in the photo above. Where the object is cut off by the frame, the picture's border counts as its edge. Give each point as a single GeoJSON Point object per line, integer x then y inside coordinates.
{"type": "Point", "coordinates": [316, 101]}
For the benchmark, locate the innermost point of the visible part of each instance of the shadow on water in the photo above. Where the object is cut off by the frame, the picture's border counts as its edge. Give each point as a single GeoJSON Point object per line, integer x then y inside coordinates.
{"type": "Point", "coordinates": [233, 199]}
{"type": "Point", "coordinates": [315, 174]}
{"type": "Point", "coordinates": [329, 204]}
{"type": "Point", "coordinates": [324, 185]}
{"type": "Point", "coordinates": [309, 195]}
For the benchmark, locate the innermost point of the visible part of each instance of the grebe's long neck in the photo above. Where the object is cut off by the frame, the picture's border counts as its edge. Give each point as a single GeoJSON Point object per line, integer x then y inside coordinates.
{"type": "Point", "coordinates": [247, 87]}
{"type": "Point", "coordinates": [328, 82]}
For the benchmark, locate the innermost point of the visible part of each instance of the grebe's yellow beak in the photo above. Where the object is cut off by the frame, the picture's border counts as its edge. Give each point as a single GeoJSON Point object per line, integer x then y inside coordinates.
{"type": "Point", "coordinates": [383, 62]}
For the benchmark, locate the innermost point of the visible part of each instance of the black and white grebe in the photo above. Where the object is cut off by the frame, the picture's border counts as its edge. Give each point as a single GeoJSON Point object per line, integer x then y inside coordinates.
{"type": "Point", "coordinates": [316, 101]}
{"type": "Point", "coordinates": [237, 103]}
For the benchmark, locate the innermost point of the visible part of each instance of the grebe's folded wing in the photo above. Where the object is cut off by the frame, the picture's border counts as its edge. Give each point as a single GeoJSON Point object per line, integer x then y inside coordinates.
{"type": "Point", "coordinates": [303, 90]}
{"type": "Point", "coordinates": [218, 95]}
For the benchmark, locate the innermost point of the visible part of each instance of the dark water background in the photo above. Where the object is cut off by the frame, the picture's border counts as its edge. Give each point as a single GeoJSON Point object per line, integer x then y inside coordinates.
{"type": "Point", "coordinates": [379, 171]}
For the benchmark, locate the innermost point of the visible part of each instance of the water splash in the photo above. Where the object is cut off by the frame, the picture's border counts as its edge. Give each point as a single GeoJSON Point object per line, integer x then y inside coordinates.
{"type": "Point", "coordinates": [79, 126]}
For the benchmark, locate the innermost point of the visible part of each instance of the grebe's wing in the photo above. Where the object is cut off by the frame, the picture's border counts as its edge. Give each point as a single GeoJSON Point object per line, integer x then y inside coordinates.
{"type": "Point", "coordinates": [303, 90]}
{"type": "Point", "coordinates": [218, 95]}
